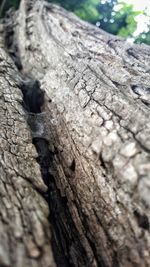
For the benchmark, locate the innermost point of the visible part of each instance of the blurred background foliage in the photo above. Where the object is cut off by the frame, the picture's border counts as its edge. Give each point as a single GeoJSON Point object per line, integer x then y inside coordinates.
{"type": "Point", "coordinates": [114, 16]}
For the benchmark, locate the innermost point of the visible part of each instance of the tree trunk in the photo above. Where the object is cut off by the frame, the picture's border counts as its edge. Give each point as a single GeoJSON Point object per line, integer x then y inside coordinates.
{"type": "Point", "coordinates": [92, 138]}
{"type": "Point", "coordinates": [24, 227]}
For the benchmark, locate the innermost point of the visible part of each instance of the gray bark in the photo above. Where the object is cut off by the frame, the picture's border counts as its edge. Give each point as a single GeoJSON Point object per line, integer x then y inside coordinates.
{"type": "Point", "coordinates": [24, 228]}
{"type": "Point", "coordinates": [96, 124]}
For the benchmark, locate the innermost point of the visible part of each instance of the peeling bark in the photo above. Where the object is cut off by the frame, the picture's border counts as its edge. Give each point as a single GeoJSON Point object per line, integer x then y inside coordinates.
{"type": "Point", "coordinates": [95, 142]}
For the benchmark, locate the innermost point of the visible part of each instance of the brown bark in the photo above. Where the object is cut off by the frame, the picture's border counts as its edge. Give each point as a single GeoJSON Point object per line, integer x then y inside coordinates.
{"type": "Point", "coordinates": [97, 129]}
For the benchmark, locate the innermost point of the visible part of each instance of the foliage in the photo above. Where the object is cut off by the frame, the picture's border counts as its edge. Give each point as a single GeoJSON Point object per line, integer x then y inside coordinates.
{"type": "Point", "coordinates": [117, 18]}
{"type": "Point", "coordinates": [71, 5]}
{"type": "Point", "coordinates": [88, 11]}
{"type": "Point", "coordinates": [143, 38]}
{"type": "Point", "coordinates": [14, 3]}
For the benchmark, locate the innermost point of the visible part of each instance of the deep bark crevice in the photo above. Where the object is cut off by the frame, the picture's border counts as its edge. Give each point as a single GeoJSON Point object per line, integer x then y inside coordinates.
{"type": "Point", "coordinates": [31, 103]}
{"type": "Point", "coordinates": [65, 241]}
{"type": "Point", "coordinates": [142, 220]}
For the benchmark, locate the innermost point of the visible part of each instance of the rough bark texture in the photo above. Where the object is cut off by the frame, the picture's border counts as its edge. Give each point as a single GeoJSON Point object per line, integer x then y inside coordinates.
{"type": "Point", "coordinates": [24, 227]}
{"type": "Point", "coordinates": [96, 126]}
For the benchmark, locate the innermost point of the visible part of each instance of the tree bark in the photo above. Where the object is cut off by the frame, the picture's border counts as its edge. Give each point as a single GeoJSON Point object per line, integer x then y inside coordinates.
{"type": "Point", "coordinates": [96, 141]}
{"type": "Point", "coordinates": [24, 228]}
